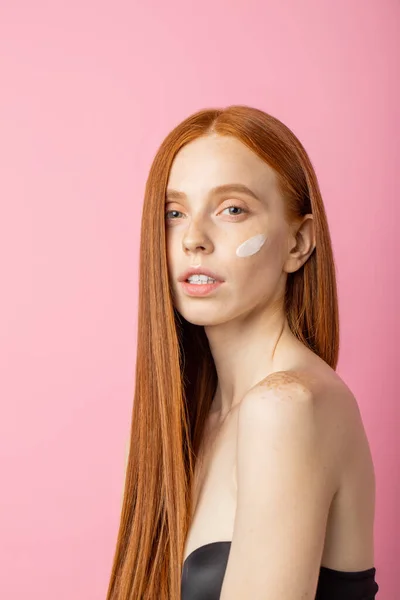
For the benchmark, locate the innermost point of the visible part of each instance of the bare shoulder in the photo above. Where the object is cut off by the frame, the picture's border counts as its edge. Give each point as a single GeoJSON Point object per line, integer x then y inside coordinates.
{"type": "Point", "coordinates": [301, 432]}
{"type": "Point", "coordinates": [317, 400]}
{"type": "Point", "coordinates": [322, 389]}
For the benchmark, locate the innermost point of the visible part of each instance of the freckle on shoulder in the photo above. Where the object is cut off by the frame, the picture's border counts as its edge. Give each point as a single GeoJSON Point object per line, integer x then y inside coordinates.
{"type": "Point", "coordinates": [283, 385]}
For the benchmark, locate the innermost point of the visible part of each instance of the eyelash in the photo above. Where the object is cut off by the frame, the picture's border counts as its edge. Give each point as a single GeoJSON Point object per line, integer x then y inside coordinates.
{"type": "Point", "coordinates": [231, 206]}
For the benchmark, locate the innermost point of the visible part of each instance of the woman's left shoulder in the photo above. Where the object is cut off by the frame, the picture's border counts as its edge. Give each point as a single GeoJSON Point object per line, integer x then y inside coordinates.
{"type": "Point", "coordinates": [328, 401]}
{"type": "Point", "coordinates": [322, 387]}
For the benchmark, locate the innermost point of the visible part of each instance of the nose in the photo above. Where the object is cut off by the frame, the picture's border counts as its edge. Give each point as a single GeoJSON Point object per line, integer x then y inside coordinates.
{"type": "Point", "coordinates": [193, 246]}
{"type": "Point", "coordinates": [195, 240]}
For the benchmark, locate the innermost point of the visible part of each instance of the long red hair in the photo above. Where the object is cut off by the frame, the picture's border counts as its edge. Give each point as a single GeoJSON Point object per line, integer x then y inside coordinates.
{"type": "Point", "coordinates": [175, 373]}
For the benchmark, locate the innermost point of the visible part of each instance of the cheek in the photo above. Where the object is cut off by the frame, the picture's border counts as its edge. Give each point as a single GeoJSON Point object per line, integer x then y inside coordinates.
{"type": "Point", "coordinates": [251, 246]}
{"type": "Point", "coordinates": [260, 255]}
{"type": "Point", "coordinates": [172, 244]}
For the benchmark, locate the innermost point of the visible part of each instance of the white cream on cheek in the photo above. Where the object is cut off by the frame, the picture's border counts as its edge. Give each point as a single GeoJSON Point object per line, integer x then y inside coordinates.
{"type": "Point", "coordinates": [251, 246]}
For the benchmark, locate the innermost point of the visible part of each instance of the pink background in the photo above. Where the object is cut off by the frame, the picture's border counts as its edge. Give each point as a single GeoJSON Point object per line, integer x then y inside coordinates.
{"type": "Point", "coordinates": [88, 91]}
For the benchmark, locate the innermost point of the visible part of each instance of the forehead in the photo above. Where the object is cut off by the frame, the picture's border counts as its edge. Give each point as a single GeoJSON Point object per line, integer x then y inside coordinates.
{"type": "Point", "coordinates": [214, 160]}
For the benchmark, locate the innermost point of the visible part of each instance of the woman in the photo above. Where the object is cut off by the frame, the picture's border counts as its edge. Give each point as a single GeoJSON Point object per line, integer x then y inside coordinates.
{"type": "Point", "coordinates": [248, 464]}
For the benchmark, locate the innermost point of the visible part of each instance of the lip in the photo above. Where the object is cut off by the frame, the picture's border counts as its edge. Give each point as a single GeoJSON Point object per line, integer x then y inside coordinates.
{"type": "Point", "coordinates": [199, 271]}
{"type": "Point", "coordinates": [193, 289]}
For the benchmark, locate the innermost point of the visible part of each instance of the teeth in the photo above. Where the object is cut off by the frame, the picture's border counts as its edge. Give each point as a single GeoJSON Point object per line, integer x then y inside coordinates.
{"type": "Point", "coordinates": [199, 279]}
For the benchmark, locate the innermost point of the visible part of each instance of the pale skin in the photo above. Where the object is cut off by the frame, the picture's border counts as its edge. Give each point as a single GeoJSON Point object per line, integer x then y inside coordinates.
{"type": "Point", "coordinates": [286, 472]}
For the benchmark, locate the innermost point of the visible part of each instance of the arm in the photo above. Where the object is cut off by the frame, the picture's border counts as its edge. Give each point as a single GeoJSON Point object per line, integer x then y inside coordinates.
{"type": "Point", "coordinates": [287, 477]}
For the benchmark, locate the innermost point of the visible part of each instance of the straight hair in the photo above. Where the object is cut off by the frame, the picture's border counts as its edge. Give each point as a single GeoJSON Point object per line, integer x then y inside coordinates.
{"type": "Point", "coordinates": [176, 379]}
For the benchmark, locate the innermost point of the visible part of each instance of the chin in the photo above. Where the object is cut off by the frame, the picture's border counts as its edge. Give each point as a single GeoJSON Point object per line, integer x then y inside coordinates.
{"type": "Point", "coordinates": [204, 317]}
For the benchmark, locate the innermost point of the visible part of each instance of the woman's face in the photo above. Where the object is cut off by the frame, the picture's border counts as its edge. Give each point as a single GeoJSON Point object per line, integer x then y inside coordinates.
{"type": "Point", "coordinates": [203, 228]}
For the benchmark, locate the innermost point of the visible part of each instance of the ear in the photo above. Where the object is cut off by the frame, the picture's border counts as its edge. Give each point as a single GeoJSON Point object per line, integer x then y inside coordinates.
{"type": "Point", "coordinates": [301, 244]}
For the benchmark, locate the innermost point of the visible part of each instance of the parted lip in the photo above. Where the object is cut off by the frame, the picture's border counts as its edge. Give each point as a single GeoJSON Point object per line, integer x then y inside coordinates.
{"type": "Point", "coordinates": [199, 271]}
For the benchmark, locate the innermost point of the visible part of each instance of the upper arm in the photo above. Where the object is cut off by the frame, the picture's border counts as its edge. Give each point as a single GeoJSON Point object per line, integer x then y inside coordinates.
{"type": "Point", "coordinates": [285, 481]}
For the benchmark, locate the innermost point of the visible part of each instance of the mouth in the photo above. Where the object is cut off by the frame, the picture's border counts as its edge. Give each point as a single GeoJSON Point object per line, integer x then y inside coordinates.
{"type": "Point", "coordinates": [201, 270]}
{"type": "Point", "coordinates": [200, 289]}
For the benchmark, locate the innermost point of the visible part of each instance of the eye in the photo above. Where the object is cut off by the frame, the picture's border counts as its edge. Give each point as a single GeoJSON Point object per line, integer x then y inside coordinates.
{"type": "Point", "coordinates": [172, 211]}
{"type": "Point", "coordinates": [237, 208]}
{"type": "Point", "coordinates": [227, 208]}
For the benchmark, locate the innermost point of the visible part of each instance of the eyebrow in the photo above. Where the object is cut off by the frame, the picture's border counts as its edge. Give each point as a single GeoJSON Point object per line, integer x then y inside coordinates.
{"type": "Point", "coordinates": [219, 189]}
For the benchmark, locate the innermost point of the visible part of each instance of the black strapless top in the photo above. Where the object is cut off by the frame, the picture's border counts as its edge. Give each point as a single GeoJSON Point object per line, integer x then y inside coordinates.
{"type": "Point", "coordinates": [204, 569]}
